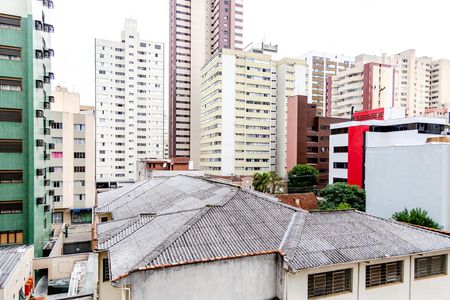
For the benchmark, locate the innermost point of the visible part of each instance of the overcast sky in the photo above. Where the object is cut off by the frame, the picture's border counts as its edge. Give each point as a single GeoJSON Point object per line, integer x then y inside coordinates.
{"type": "Point", "coordinates": [349, 27]}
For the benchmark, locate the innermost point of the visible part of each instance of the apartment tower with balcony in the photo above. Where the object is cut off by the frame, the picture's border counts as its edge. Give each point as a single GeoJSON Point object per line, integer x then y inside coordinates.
{"type": "Point", "coordinates": [129, 77]}
{"type": "Point", "coordinates": [198, 30]}
{"type": "Point", "coordinates": [25, 97]}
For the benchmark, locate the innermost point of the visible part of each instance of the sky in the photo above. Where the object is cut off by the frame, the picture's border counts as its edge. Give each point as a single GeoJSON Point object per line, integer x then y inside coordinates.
{"type": "Point", "coordinates": [348, 27]}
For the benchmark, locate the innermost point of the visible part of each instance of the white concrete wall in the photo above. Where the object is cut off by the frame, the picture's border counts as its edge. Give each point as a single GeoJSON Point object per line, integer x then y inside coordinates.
{"type": "Point", "coordinates": [247, 278]}
{"type": "Point", "coordinates": [337, 140]}
{"type": "Point", "coordinates": [431, 288]}
{"type": "Point", "coordinates": [401, 177]}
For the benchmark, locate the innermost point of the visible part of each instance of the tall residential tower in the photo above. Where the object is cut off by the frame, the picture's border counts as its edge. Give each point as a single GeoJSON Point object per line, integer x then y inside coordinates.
{"type": "Point", "coordinates": [25, 96]}
{"type": "Point", "coordinates": [129, 101]}
{"type": "Point", "coordinates": [198, 30]}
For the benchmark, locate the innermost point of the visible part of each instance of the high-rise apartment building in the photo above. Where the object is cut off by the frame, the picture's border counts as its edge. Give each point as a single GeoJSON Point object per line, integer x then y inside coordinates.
{"type": "Point", "coordinates": [25, 96]}
{"type": "Point", "coordinates": [243, 111]}
{"type": "Point", "coordinates": [73, 158]}
{"type": "Point", "coordinates": [362, 87]}
{"type": "Point", "coordinates": [412, 79]}
{"type": "Point", "coordinates": [321, 66]}
{"type": "Point", "coordinates": [198, 30]}
{"type": "Point", "coordinates": [440, 83]}
{"type": "Point", "coordinates": [129, 101]}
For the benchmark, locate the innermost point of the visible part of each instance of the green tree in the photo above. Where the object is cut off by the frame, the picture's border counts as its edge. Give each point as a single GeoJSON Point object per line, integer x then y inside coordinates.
{"type": "Point", "coordinates": [341, 195]}
{"type": "Point", "coordinates": [261, 182]}
{"type": "Point", "coordinates": [417, 216]}
{"type": "Point", "coordinates": [303, 178]}
{"type": "Point", "coordinates": [276, 183]}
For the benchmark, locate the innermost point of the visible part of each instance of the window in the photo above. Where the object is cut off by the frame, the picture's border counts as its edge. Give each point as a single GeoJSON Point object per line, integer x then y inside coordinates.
{"type": "Point", "coordinates": [57, 125]}
{"type": "Point", "coordinates": [11, 207]}
{"type": "Point", "coordinates": [10, 146]}
{"type": "Point", "coordinates": [10, 115]}
{"type": "Point", "coordinates": [57, 140]}
{"type": "Point", "coordinates": [79, 169]}
{"type": "Point", "coordinates": [10, 53]}
{"type": "Point", "coordinates": [329, 283]}
{"type": "Point", "coordinates": [384, 273]}
{"type": "Point", "coordinates": [11, 237]}
{"type": "Point", "coordinates": [339, 131]}
{"type": "Point", "coordinates": [57, 218]}
{"type": "Point", "coordinates": [340, 165]}
{"type": "Point", "coordinates": [79, 197]}
{"type": "Point", "coordinates": [430, 266]}
{"type": "Point", "coordinates": [339, 180]}
{"type": "Point", "coordinates": [57, 184]}
{"type": "Point", "coordinates": [57, 198]}
{"type": "Point", "coordinates": [79, 141]}
{"type": "Point", "coordinates": [57, 155]}
{"type": "Point", "coordinates": [8, 21]}
{"type": "Point", "coordinates": [79, 183]}
{"type": "Point", "coordinates": [11, 176]}
{"type": "Point", "coordinates": [79, 127]}
{"type": "Point", "coordinates": [340, 149]}
{"type": "Point", "coordinates": [10, 84]}
{"type": "Point", "coordinates": [79, 155]}
{"type": "Point", "coordinates": [105, 270]}
{"type": "Point", "coordinates": [57, 169]}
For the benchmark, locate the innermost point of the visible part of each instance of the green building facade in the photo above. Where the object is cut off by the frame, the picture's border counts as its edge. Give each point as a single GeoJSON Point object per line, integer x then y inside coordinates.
{"type": "Point", "coordinates": [25, 96]}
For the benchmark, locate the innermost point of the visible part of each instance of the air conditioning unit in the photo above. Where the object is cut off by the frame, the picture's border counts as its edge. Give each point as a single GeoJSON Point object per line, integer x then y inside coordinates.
{"type": "Point", "coordinates": [46, 105]}
{"type": "Point", "coordinates": [51, 52]}
{"type": "Point", "coordinates": [51, 169]}
{"type": "Point", "coordinates": [51, 146]}
{"type": "Point", "coordinates": [50, 123]}
{"type": "Point", "coordinates": [51, 192]}
{"type": "Point", "coordinates": [46, 131]}
{"type": "Point", "coordinates": [39, 84]}
{"type": "Point", "coordinates": [47, 208]}
{"type": "Point", "coordinates": [47, 182]}
{"type": "Point", "coordinates": [38, 25]}
{"type": "Point", "coordinates": [46, 79]}
{"type": "Point", "coordinates": [39, 172]}
{"type": "Point", "coordinates": [39, 54]}
{"type": "Point", "coordinates": [39, 113]}
{"type": "Point", "coordinates": [51, 99]}
{"type": "Point", "coordinates": [39, 143]}
{"type": "Point", "coordinates": [46, 156]}
{"type": "Point", "coordinates": [51, 75]}
{"type": "Point", "coordinates": [40, 200]}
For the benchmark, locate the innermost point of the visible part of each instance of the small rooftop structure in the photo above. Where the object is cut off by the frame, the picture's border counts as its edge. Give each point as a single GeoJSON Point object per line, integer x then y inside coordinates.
{"type": "Point", "coordinates": [182, 220]}
{"type": "Point", "coordinates": [306, 201]}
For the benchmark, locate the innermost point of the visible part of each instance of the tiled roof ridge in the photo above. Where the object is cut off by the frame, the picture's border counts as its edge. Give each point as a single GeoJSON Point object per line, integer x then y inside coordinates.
{"type": "Point", "coordinates": [117, 198]}
{"type": "Point", "coordinates": [292, 235]}
{"type": "Point", "coordinates": [125, 232]}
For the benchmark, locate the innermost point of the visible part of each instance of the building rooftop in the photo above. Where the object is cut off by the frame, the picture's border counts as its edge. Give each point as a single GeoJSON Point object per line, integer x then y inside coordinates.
{"type": "Point", "coordinates": [306, 201]}
{"type": "Point", "coordinates": [183, 220]}
{"type": "Point", "coordinates": [10, 257]}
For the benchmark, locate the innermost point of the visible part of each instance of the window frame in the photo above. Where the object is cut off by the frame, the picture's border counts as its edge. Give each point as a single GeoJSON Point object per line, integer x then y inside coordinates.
{"type": "Point", "coordinates": [385, 277]}
{"type": "Point", "coordinates": [323, 280]}
{"type": "Point", "coordinates": [429, 261]}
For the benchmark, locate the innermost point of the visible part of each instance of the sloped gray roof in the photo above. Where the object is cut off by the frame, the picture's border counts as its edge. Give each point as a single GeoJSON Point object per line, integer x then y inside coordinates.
{"type": "Point", "coordinates": [10, 257]}
{"type": "Point", "coordinates": [184, 220]}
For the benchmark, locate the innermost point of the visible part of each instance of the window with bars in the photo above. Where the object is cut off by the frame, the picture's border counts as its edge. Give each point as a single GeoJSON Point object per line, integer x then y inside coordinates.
{"type": "Point", "coordinates": [10, 146]}
{"type": "Point", "coordinates": [328, 283]}
{"type": "Point", "coordinates": [105, 270]}
{"type": "Point", "coordinates": [430, 266]}
{"type": "Point", "coordinates": [11, 176]}
{"type": "Point", "coordinates": [380, 274]}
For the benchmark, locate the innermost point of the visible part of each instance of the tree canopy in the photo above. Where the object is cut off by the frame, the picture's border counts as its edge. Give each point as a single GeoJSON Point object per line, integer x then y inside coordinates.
{"type": "Point", "coordinates": [268, 182]}
{"type": "Point", "coordinates": [416, 216]}
{"type": "Point", "coordinates": [303, 178]}
{"type": "Point", "coordinates": [340, 195]}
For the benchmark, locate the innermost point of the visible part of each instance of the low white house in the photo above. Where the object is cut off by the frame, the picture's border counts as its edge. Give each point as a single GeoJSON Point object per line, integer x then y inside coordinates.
{"type": "Point", "coordinates": [193, 238]}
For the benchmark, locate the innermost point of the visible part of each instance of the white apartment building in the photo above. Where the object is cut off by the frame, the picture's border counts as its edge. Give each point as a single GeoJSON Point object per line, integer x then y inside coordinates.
{"type": "Point", "coordinates": [359, 88]}
{"type": "Point", "coordinates": [72, 161]}
{"type": "Point", "coordinates": [198, 30]}
{"type": "Point", "coordinates": [412, 83]}
{"type": "Point", "coordinates": [440, 83]}
{"type": "Point", "coordinates": [129, 84]}
{"type": "Point", "coordinates": [320, 67]}
{"type": "Point", "coordinates": [243, 113]}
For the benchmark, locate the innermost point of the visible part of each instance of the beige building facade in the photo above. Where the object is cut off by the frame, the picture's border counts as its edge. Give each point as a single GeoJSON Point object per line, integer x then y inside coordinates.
{"type": "Point", "coordinates": [243, 111]}
{"type": "Point", "coordinates": [72, 173]}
